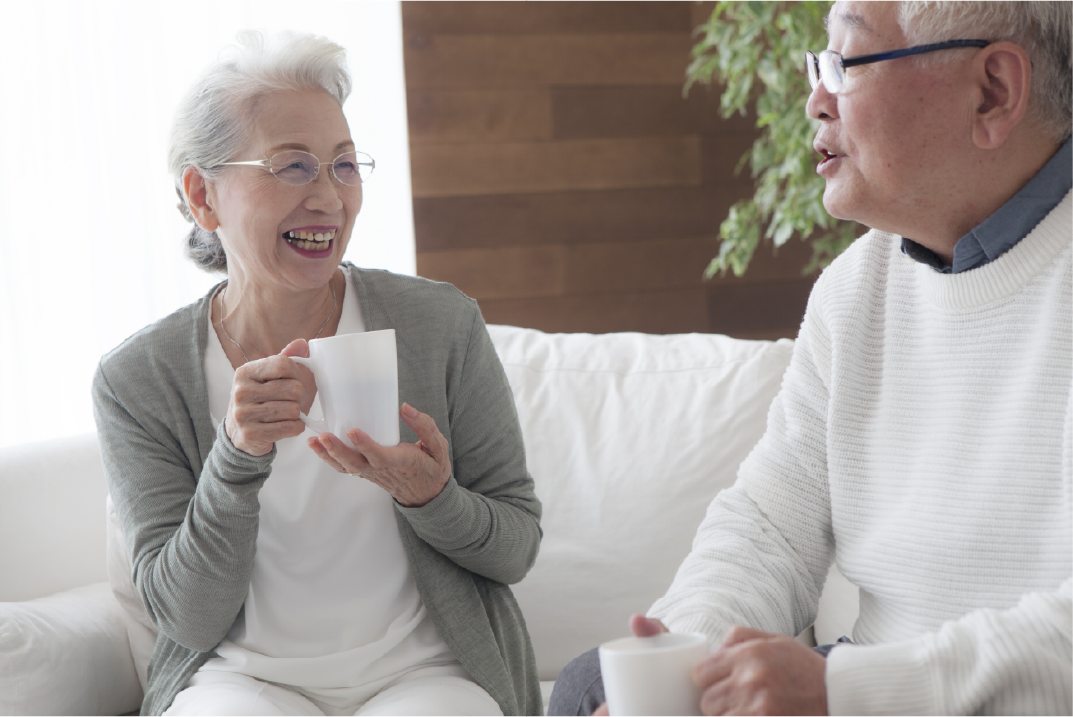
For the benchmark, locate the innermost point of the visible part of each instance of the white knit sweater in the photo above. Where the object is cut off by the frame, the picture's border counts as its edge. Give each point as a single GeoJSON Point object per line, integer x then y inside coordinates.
{"type": "Point", "coordinates": [922, 439]}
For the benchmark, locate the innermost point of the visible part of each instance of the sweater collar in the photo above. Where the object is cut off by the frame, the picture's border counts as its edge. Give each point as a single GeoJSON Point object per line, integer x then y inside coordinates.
{"type": "Point", "coordinates": [1007, 274]}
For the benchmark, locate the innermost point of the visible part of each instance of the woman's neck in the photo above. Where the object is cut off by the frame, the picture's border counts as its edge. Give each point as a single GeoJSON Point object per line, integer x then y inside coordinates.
{"type": "Point", "coordinates": [254, 321]}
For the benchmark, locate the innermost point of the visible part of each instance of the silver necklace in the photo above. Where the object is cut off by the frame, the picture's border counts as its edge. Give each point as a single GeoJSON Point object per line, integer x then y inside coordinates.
{"type": "Point", "coordinates": [236, 343]}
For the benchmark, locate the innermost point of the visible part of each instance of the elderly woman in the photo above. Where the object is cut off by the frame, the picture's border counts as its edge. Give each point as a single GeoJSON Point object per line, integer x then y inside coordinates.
{"type": "Point", "coordinates": [286, 572]}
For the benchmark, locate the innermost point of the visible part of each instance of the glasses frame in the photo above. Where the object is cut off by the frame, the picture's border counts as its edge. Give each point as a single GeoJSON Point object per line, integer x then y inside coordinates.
{"type": "Point", "coordinates": [371, 164]}
{"type": "Point", "coordinates": [815, 71]}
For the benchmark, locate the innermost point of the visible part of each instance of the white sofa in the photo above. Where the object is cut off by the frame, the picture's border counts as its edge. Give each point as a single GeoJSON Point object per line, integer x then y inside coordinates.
{"type": "Point", "coordinates": [628, 437]}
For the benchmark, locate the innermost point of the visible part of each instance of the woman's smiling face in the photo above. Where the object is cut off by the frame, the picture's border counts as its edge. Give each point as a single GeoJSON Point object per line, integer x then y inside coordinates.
{"type": "Point", "coordinates": [257, 212]}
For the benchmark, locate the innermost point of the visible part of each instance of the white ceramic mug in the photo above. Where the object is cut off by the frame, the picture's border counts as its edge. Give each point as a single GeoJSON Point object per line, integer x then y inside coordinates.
{"type": "Point", "coordinates": [358, 384]}
{"type": "Point", "coordinates": [652, 675]}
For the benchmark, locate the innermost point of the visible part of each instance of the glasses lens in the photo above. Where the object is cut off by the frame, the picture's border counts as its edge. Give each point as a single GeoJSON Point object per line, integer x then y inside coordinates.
{"type": "Point", "coordinates": [353, 168]}
{"type": "Point", "coordinates": [831, 70]}
{"type": "Point", "coordinates": [294, 167]}
{"type": "Point", "coordinates": [813, 69]}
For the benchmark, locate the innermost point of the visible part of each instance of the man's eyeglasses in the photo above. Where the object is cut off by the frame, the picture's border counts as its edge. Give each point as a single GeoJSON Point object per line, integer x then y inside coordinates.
{"type": "Point", "coordinates": [298, 168]}
{"type": "Point", "coordinates": [829, 67]}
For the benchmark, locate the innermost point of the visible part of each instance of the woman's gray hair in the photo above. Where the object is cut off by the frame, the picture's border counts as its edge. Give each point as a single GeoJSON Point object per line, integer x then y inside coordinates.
{"type": "Point", "coordinates": [1043, 29]}
{"type": "Point", "coordinates": [214, 119]}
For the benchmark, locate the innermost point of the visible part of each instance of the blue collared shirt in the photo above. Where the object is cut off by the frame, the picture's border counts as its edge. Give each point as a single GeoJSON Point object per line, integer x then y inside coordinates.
{"type": "Point", "coordinates": [1012, 222]}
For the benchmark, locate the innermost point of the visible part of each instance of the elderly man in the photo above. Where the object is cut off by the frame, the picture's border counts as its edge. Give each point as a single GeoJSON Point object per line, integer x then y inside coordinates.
{"type": "Point", "coordinates": [922, 439]}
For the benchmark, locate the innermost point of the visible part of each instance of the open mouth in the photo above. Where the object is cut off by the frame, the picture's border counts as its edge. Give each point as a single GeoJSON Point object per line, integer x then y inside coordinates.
{"type": "Point", "coordinates": [827, 159]}
{"type": "Point", "coordinates": [310, 241]}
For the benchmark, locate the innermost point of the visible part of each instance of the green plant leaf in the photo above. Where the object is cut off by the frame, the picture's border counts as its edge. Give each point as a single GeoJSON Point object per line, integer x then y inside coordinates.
{"type": "Point", "coordinates": [756, 52]}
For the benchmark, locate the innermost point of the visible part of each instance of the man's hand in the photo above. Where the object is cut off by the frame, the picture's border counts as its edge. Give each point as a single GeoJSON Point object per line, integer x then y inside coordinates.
{"type": "Point", "coordinates": [753, 673]}
{"type": "Point", "coordinates": [758, 673]}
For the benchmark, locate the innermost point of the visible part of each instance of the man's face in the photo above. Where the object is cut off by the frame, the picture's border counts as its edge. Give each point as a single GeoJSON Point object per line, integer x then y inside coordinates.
{"type": "Point", "coordinates": [891, 138]}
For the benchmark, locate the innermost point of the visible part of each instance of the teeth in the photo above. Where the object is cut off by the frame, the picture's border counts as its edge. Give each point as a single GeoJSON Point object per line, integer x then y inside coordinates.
{"type": "Point", "coordinates": [311, 236]}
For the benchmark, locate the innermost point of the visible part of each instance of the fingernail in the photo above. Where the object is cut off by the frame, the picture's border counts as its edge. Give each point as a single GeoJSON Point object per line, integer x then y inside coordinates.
{"type": "Point", "coordinates": [409, 410]}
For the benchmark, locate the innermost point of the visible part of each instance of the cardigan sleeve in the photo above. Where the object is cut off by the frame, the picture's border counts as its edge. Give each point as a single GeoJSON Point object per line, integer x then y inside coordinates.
{"type": "Point", "coordinates": [191, 538]}
{"type": "Point", "coordinates": [487, 518]}
{"type": "Point", "coordinates": [762, 553]}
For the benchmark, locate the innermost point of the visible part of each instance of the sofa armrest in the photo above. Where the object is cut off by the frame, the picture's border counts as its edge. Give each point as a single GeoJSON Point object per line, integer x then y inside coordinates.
{"type": "Point", "coordinates": [67, 654]}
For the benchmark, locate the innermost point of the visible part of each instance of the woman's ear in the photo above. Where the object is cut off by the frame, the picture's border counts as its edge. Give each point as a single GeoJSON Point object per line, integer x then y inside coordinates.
{"type": "Point", "coordinates": [199, 197]}
{"type": "Point", "coordinates": [1003, 74]}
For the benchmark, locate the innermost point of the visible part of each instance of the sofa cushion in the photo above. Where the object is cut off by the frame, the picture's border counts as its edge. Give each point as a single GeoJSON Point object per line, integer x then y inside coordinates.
{"type": "Point", "coordinates": [51, 532]}
{"type": "Point", "coordinates": [628, 438]}
{"type": "Point", "coordinates": [66, 654]}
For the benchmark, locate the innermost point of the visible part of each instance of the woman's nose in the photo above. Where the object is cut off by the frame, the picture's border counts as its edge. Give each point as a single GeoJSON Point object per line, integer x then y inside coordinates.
{"type": "Point", "coordinates": [324, 195]}
{"type": "Point", "coordinates": [822, 105]}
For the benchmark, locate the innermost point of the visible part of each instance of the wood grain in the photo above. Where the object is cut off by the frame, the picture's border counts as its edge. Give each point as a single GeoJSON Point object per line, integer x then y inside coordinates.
{"type": "Point", "coordinates": [498, 273]}
{"type": "Point", "coordinates": [582, 112]}
{"type": "Point", "coordinates": [571, 217]}
{"type": "Point", "coordinates": [656, 312]}
{"type": "Point", "coordinates": [745, 307]}
{"type": "Point", "coordinates": [512, 168]}
{"type": "Point", "coordinates": [545, 17]}
{"type": "Point", "coordinates": [628, 267]}
{"type": "Point", "coordinates": [484, 116]}
{"type": "Point", "coordinates": [699, 12]}
{"type": "Point", "coordinates": [529, 61]}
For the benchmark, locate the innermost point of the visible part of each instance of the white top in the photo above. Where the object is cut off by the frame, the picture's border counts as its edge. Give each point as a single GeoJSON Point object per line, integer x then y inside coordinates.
{"type": "Point", "coordinates": [922, 438]}
{"type": "Point", "coordinates": [332, 608]}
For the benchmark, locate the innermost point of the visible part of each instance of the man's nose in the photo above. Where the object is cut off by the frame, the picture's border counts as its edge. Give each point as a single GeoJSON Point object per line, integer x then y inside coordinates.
{"type": "Point", "coordinates": [822, 105]}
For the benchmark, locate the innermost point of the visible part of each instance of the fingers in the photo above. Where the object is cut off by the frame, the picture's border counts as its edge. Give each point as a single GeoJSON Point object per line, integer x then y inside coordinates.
{"type": "Point", "coordinates": [269, 369]}
{"type": "Point", "coordinates": [338, 455]}
{"type": "Point", "coordinates": [298, 347]}
{"type": "Point", "coordinates": [718, 665]}
{"type": "Point", "coordinates": [432, 441]}
{"type": "Point", "coordinates": [739, 634]}
{"type": "Point", "coordinates": [642, 626]}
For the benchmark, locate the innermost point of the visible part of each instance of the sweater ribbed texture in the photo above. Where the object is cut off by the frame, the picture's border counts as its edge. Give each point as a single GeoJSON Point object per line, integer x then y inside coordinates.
{"type": "Point", "coordinates": [921, 440]}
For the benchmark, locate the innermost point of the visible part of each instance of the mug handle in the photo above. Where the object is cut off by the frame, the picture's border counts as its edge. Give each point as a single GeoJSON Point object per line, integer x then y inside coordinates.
{"type": "Point", "coordinates": [320, 425]}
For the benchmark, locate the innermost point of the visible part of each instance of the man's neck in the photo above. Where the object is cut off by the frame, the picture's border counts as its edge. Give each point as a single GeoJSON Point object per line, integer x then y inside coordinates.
{"type": "Point", "coordinates": [986, 185]}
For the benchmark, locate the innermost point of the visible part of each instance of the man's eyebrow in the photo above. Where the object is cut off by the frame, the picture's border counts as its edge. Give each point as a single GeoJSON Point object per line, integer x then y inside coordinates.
{"type": "Point", "coordinates": [853, 20]}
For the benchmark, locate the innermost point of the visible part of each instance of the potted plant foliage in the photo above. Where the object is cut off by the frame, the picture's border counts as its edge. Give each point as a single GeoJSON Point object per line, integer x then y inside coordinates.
{"type": "Point", "coordinates": [756, 50]}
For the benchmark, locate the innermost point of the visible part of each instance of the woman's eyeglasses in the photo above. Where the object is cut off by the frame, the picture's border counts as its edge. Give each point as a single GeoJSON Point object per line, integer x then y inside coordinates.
{"type": "Point", "coordinates": [297, 168]}
{"type": "Point", "coordinates": [829, 66]}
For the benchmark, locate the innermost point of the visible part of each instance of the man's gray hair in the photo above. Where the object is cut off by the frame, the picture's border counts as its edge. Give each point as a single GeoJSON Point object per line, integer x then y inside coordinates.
{"type": "Point", "coordinates": [1043, 29]}
{"type": "Point", "coordinates": [214, 120]}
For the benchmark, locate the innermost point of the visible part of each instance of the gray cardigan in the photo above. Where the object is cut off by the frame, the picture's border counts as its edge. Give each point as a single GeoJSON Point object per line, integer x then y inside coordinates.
{"type": "Point", "coordinates": [187, 500]}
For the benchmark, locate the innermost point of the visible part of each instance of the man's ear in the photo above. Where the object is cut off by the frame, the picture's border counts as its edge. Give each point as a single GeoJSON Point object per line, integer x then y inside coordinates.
{"type": "Point", "coordinates": [1003, 73]}
{"type": "Point", "coordinates": [199, 197]}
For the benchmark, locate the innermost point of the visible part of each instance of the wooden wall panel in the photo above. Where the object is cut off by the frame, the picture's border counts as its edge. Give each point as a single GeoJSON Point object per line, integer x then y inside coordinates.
{"type": "Point", "coordinates": [584, 112]}
{"type": "Point", "coordinates": [570, 217]}
{"type": "Point", "coordinates": [450, 170]}
{"type": "Point", "coordinates": [479, 116]}
{"type": "Point", "coordinates": [562, 180]}
{"type": "Point", "coordinates": [508, 18]}
{"type": "Point", "coordinates": [523, 61]}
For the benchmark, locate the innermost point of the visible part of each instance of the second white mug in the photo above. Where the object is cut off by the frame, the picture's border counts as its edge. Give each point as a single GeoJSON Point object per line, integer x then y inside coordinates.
{"type": "Point", "coordinates": [652, 675]}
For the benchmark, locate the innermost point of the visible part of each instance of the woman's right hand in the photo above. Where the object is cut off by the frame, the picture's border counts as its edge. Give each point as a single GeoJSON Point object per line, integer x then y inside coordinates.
{"type": "Point", "coordinates": [267, 397]}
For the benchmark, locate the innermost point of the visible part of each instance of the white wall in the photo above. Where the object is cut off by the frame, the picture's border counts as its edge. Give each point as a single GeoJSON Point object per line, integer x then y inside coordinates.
{"type": "Point", "coordinates": [90, 240]}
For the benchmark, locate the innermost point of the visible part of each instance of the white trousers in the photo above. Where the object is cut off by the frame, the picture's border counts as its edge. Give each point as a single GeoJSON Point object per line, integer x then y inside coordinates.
{"type": "Point", "coordinates": [231, 693]}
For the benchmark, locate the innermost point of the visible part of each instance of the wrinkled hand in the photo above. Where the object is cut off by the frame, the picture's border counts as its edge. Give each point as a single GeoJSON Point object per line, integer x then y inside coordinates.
{"type": "Point", "coordinates": [267, 396]}
{"type": "Point", "coordinates": [413, 473]}
{"type": "Point", "coordinates": [758, 673]}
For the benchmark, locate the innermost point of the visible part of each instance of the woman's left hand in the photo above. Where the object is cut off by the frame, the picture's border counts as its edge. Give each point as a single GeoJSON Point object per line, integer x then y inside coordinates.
{"type": "Point", "coordinates": [413, 473]}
